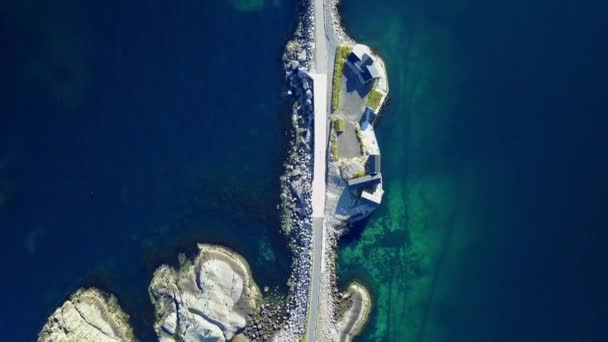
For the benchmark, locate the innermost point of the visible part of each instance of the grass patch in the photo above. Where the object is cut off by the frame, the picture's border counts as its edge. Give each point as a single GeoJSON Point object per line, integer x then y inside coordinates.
{"type": "Point", "coordinates": [359, 174]}
{"type": "Point", "coordinates": [341, 53]}
{"type": "Point", "coordinates": [373, 99]}
{"type": "Point", "coordinates": [339, 125]}
{"type": "Point", "coordinates": [334, 145]}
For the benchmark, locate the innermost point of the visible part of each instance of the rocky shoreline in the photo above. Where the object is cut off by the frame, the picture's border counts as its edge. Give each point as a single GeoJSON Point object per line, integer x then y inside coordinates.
{"type": "Point", "coordinates": [352, 311]}
{"type": "Point", "coordinates": [296, 182]}
{"type": "Point", "coordinates": [88, 315]}
{"type": "Point", "coordinates": [214, 295]}
{"type": "Point", "coordinates": [296, 185]}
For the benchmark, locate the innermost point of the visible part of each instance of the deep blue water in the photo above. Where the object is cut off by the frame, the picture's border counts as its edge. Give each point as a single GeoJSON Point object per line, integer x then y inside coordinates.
{"type": "Point", "coordinates": [129, 132]}
{"type": "Point", "coordinates": [513, 95]}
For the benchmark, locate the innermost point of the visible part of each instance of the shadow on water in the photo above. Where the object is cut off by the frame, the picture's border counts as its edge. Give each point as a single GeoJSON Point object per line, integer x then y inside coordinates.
{"type": "Point", "coordinates": [354, 232]}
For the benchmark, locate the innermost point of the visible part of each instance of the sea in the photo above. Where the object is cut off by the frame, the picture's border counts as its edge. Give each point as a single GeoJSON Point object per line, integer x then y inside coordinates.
{"type": "Point", "coordinates": [130, 131]}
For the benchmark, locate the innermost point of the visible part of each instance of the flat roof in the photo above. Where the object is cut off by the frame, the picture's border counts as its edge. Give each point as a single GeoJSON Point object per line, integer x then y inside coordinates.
{"type": "Point", "coordinates": [367, 180]}
{"type": "Point", "coordinates": [371, 197]}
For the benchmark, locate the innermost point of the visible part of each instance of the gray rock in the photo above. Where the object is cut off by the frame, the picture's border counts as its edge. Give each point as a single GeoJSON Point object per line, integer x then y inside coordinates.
{"type": "Point", "coordinates": [208, 299]}
{"type": "Point", "coordinates": [89, 315]}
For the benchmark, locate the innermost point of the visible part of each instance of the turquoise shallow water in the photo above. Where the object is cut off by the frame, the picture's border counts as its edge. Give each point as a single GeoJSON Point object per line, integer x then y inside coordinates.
{"type": "Point", "coordinates": [492, 142]}
{"type": "Point", "coordinates": [132, 130]}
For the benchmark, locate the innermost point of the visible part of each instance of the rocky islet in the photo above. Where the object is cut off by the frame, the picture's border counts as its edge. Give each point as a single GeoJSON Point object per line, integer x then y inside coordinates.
{"type": "Point", "coordinates": [214, 296]}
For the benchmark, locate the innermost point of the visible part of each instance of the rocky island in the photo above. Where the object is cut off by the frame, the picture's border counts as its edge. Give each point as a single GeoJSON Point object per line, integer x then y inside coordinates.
{"type": "Point", "coordinates": [212, 296]}
{"type": "Point", "coordinates": [332, 178]}
{"type": "Point", "coordinates": [88, 315]}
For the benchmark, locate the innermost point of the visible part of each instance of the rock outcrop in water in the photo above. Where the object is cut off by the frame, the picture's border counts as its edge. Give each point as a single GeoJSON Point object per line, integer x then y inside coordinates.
{"type": "Point", "coordinates": [353, 309]}
{"type": "Point", "coordinates": [210, 298]}
{"type": "Point", "coordinates": [89, 315]}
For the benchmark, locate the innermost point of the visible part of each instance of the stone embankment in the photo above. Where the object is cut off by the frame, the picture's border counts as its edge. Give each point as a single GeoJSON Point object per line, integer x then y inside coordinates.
{"type": "Point", "coordinates": [89, 315]}
{"type": "Point", "coordinates": [296, 182]}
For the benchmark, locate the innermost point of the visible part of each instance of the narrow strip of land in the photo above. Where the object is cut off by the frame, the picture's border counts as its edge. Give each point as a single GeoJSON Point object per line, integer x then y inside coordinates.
{"type": "Point", "coordinates": [320, 144]}
{"type": "Point", "coordinates": [320, 59]}
{"type": "Point", "coordinates": [320, 96]}
{"type": "Point", "coordinates": [318, 199]}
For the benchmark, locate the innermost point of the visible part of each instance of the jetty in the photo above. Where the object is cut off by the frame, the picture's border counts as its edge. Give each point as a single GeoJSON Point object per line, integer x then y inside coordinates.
{"type": "Point", "coordinates": [332, 174]}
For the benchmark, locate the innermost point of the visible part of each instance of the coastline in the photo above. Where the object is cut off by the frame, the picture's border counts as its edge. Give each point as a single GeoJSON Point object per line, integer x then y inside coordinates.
{"type": "Point", "coordinates": [212, 295]}
{"type": "Point", "coordinates": [340, 226]}
{"type": "Point", "coordinates": [334, 226]}
{"type": "Point", "coordinates": [353, 320]}
{"type": "Point", "coordinates": [91, 314]}
{"type": "Point", "coordinates": [182, 308]}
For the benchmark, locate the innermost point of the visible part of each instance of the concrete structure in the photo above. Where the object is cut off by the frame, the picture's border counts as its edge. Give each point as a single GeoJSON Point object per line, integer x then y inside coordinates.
{"type": "Point", "coordinates": [362, 64]}
{"type": "Point", "coordinates": [375, 197]}
{"type": "Point", "coordinates": [365, 181]}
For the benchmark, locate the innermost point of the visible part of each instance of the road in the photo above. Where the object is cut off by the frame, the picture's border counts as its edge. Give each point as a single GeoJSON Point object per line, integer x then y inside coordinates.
{"type": "Point", "coordinates": [321, 86]}
{"type": "Point", "coordinates": [318, 199]}
{"type": "Point", "coordinates": [320, 59]}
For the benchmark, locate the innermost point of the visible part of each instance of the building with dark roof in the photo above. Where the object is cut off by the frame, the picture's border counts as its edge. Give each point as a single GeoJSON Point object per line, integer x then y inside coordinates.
{"type": "Point", "coordinates": [368, 118]}
{"type": "Point", "coordinates": [373, 164]}
{"type": "Point", "coordinates": [362, 64]}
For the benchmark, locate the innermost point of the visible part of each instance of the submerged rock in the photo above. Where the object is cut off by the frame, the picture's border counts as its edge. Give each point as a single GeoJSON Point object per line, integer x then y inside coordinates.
{"type": "Point", "coordinates": [89, 315]}
{"type": "Point", "coordinates": [208, 299]}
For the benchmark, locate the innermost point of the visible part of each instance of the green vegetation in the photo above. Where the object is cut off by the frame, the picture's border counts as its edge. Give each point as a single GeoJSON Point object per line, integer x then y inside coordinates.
{"type": "Point", "coordinates": [373, 99]}
{"type": "Point", "coordinates": [339, 125]}
{"type": "Point", "coordinates": [334, 145]}
{"type": "Point", "coordinates": [341, 53]}
{"type": "Point", "coordinates": [359, 174]}
{"type": "Point", "coordinates": [178, 334]}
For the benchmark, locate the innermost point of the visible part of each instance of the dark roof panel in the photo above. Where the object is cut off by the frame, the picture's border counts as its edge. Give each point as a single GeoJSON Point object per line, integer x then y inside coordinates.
{"type": "Point", "coordinates": [373, 164]}
{"type": "Point", "coordinates": [353, 58]}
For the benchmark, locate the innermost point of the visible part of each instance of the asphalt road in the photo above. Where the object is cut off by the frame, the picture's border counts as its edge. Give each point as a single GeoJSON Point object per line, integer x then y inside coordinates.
{"type": "Point", "coordinates": [321, 59]}
{"type": "Point", "coordinates": [321, 87]}
{"type": "Point", "coordinates": [313, 308]}
{"type": "Point", "coordinates": [318, 199]}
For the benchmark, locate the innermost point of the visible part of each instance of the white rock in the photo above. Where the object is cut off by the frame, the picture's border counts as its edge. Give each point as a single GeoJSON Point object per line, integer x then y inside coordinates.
{"type": "Point", "coordinates": [89, 315]}
{"type": "Point", "coordinates": [209, 299]}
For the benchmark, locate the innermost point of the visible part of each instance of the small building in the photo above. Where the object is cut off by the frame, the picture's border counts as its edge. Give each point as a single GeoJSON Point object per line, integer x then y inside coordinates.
{"type": "Point", "coordinates": [339, 124]}
{"type": "Point", "coordinates": [362, 64]}
{"type": "Point", "coordinates": [368, 118]}
{"type": "Point", "coordinates": [366, 181]}
{"type": "Point", "coordinates": [373, 164]}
